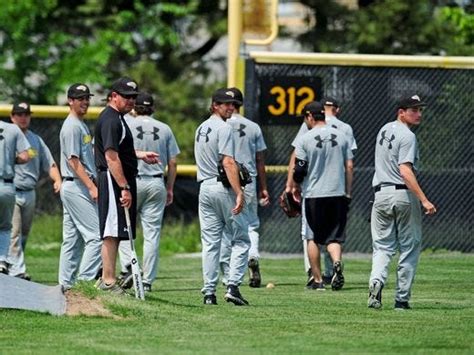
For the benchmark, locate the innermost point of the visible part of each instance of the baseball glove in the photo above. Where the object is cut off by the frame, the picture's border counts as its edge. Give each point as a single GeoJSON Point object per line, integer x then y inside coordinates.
{"type": "Point", "coordinates": [289, 205]}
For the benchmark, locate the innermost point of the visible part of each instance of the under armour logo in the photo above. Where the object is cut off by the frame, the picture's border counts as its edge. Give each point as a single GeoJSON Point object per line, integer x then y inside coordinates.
{"type": "Point", "coordinates": [132, 84]}
{"type": "Point", "coordinates": [141, 133]}
{"type": "Point", "coordinates": [1, 135]}
{"type": "Point", "coordinates": [202, 134]}
{"type": "Point", "coordinates": [331, 139]}
{"type": "Point", "coordinates": [334, 126]}
{"type": "Point", "coordinates": [385, 138]}
{"type": "Point", "coordinates": [241, 130]}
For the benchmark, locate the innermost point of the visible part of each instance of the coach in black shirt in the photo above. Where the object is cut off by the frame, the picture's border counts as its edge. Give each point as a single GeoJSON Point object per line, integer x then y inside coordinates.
{"type": "Point", "coordinates": [116, 161]}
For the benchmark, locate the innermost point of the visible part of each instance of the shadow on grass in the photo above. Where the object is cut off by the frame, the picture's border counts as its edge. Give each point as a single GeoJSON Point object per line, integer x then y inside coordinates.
{"type": "Point", "coordinates": [168, 302]}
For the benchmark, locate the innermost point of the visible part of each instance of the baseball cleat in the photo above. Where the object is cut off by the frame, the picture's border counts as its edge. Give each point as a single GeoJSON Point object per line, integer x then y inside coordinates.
{"type": "Point", "coordinates": [318, 286]}
{"type": "Point", "coordinates": [125, 279]}
{"type": "Point", "coordinates": [327, 279]}
{"type": "Point", "coordinates": [112, 288]}
{"type": "Point", "coordinates": [310, 280]}
{"type": "Point", "coordinates": [210, 300]}
{"type": "Point", "coordinates": [146, 287]}
{"type": "Point", "coordinates": [375, 295]}
{"type": "Point", "coordinates": [401, 306]}
{"type": "Point", "coordinates": [255, 278]}
{"type": "Point", "coordinates": [233, 295]}
{"type": "Point", "coordinates": [338, 278]}
{"type": "Point", "coordinates": [3, 267]}
{"type": "Point", "coordinates": [24, 276]}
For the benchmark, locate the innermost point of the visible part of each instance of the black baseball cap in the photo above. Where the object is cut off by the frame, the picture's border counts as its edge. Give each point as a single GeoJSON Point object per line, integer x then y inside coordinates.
{"type": "Point", "coordinates": [238, 94]}
{"type": "Point", "coordinates": [330, 101]}
{"type": "Point", "coordinates": [125, 86]}
{"type": "Point", "coordinates": [21, 107]}
{"type": "Point", "coordinates": [224, 95]}
{"type": "Point", "coordinates": [410, 101]}
{"type": "Point", "coordinates": [315, 107]}
{"type": "Point", "coordinates": [144, 99]}
{"type": "Point", "coordinates": [78, 91]}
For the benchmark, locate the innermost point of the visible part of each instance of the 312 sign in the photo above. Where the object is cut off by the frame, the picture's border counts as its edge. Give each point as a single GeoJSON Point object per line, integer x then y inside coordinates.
{"type": "Point", "coordinates": [282, 98]}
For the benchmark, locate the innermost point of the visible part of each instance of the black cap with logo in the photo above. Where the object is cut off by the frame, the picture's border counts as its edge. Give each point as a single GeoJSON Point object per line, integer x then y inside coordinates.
{"type": "Point", "coordinates": [330, 101]}
{"type": "Point", "coordinates": [224, 95]}
{"type": "Point", "coordinates": [144, 99]}
{"type": "Point", "coordinates": [238, 94]}
{"type": "Point", "coordinates": [410, 102]}
{"type": "Point", "coordinates": [78, 91]}
{"type": "Point", "coordinates": [316, 108]}
{"type": "Point", "coordinates": [125, 86]}
{"type": "Point", "coordinates": [21, 107]}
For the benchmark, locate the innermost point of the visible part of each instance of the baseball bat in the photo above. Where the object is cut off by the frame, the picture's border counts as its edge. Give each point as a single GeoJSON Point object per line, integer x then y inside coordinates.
{"type": "Point", "coordinates": [136, 273]}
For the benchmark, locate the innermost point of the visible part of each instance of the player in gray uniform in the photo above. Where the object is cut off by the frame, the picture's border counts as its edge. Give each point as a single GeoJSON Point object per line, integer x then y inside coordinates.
{"type": "Point", "coordinates": [220, 206]}
{"type": "Point", "coordinates": [323, 159]}
{"type": "Point", "coordinates": [249, 150]}
{"type": "Point", "coordinates": [13, 150]}
{"type": "Point", "coordinates": [26, 179]}
{"type": "Point", "coordinates": [81, 236]}
{"type": "Point", "coordinates": [153, 195]}
{"type": "Point", "coordinates": [396, 213]}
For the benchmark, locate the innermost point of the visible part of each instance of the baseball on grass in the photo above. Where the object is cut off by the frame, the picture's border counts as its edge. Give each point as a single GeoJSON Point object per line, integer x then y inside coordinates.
{"type": "Point", "coordinates": [270, 285]}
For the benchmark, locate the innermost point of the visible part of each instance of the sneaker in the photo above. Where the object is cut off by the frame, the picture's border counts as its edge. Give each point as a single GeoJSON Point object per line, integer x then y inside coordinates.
{"type": "Point", "coordinates": [24, 276]}
{"type": "Point", "coordinates": [146, 287]}
{"type": "Point", "coordinates": [318, 286]}
{"type": "Point", "coordinates": [337, 280]}
{"type": "Point", "coordinates": [255, 279]}
{"type": "Point", "coordinates": [310, 280]}
{"type": "Point", "coordinates": [327, 279]}
{"type": "Point", "coordinates": [375, 295]}
{"type": "Point", "coordinates": [3, 267]}
{"type": "Point", "coordinates": [125, 279]}
{"type": "Point", "coordinates": [401, 306]}
{"type": "Point", "coordinates": [112, 288]}
{"type": "Point", "coordinates": [233, 295]}
{"type": "Point", "coordinates": [210, 300]}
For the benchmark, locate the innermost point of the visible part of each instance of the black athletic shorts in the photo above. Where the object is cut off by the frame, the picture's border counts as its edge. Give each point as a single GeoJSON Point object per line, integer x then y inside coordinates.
{"type": "Point", "coordinates": [111, 213]}
{"type": "Point", "coordinates": [327, 218]}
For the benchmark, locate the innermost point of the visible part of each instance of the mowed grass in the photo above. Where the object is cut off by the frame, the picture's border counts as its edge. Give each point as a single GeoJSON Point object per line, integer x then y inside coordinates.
{"type": "Point", "coordinates": [287, 319]}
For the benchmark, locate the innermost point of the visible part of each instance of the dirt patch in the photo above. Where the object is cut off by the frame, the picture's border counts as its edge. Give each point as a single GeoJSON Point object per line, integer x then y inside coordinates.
{"type": "Point", "coordinates": [78, 304]}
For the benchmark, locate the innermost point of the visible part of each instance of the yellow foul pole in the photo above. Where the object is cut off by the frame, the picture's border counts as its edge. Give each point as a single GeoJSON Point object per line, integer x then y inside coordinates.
{"type": "Point", "coordinates": [234, 30]}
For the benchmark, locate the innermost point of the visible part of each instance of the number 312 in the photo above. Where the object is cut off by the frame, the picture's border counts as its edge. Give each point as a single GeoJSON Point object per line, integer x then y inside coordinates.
{"type": "Point", "coordinates": [286, 99]}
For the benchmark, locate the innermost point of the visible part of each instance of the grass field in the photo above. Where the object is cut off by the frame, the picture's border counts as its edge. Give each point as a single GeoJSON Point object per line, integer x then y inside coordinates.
{"type": "Point", "coordinates": [283, 320]}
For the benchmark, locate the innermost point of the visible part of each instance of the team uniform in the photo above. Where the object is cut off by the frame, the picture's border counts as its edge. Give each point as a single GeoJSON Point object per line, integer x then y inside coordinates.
{"type": "Point", "coordinates": [26, 179]}
{"type": "Point", "coordinates": [248, 141]}
{"type": "Point", "coordinates": [396, 213]}
{"type": "Point", "coordinates": [214, 139]}
{"type": "Point", "coordinates": [80, 217]}
{"type": "Point", "coordinates": [150, 135]}
{"type": "Point", "coordinates": [112, 132]}
{"type": "Point", "coordinates": [12, 141]}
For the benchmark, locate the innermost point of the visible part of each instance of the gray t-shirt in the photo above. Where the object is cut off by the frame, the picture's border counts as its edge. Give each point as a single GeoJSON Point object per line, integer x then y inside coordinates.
{"type": "Point", "coordinates": [27, 175]}
{"type": "Point", "coordinates": [154, 136]}
{"type": "Point", "coordinates": [213, 140]}
{"type": "Point", "coordinates": [326, 150]}
{"type": "Point", "coordinates": [12, 142]}
{"type": "Point", "coordinates": [76, 141]}
{"type": "Point", "coordinates": [303, 129]}
{"type": "Point", "coordinates": [395, 145]}
{"type": "Point", "coordinates": [248, 141]}
{"type": "Point", "coordinates": [335, 122]}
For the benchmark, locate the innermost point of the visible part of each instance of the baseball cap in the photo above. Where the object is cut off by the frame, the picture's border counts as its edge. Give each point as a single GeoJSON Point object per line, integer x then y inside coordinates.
{"type": "Point", "coordinates": [125, 86]}
{"type": "Point", "coordinates": [410, 101]}
{"type": "Point", "coordinates": [238, 94]}
{"type": "Point", "coordinates": [78, 91]}
{"type": "Point", "coordinates": [314, 107]}
{"type": "Point", "coordinates": [21, 107]}
{"type": "Point", "coordinates": [144, 99]}
{"type": "Point", "coordinates": [330, 101]}
{"type": "Point", "coordinates": [224, 95]}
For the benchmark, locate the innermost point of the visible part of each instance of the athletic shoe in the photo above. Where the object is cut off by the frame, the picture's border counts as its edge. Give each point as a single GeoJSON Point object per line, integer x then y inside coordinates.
{"type": "Point", "coordinates": [255, 279]}
{"type": "Point", "coordinates": [112, 288]}
{"type": "Point", "coordinates": [337, 280]}
{"type": "Point", "coordinates": [24, 276]}
{"type": "Point", "coordinates": [401, 306]}
{"type": "Point", "coordinates": [210, 300]}
{"type": "Point", "coordinates": [146, 287]}
{"type": "Point", "coordinates": [233, 295]}
{"type": "Point", "coordinates": [375, 295]}
{"type": "Point", "coordinates": [327, 279]}
{"type": "Point", "coordinates": [318, 286]}
{"type": "Point", "coordinates": [310, 280]}
{"type": "Point", "coordinates": [3, 267]}
{"type": "Point", "coordinates": [125, 279]}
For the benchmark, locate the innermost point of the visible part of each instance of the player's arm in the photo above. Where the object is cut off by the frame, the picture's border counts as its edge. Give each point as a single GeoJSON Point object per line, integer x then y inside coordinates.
{"type": "Point", "coordinates": [291, 168]}
{"type": "Point", "coordinates": [76, 165]}
{"type": "Point", "coordinates": [406, 171]}
{"type": "Point", "coordinates": [148, 157]}
{"type": "Point", "coordinates": [349, 165]}
{"type": "Point", "coordinates": [232, 173]}
{"type": "Point", "coordinates": [55, 175]}
{"type": "Point", "coordinates": [22, 157]}
{"type": "Point", "coordinates": [171, 178]}
{"type": "Point", "coordinates": [115, 167]}
{"type": "Point", "coordinates": [262, 178]}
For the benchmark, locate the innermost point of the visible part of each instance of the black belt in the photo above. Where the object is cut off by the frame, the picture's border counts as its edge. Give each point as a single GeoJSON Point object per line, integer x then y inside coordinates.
{"type": "Point", "coordinates": [8, 181]}
{"type": "Point", "coordinates": [153, 176]}
{"type": "Point", "coordinates": [397, 187]}
{"type": "Point", "coordinates": [68, 178]}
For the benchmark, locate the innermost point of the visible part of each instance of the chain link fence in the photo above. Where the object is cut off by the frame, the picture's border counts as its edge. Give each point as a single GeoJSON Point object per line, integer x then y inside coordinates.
{"type": "Point", "coordinates": [368, 97]}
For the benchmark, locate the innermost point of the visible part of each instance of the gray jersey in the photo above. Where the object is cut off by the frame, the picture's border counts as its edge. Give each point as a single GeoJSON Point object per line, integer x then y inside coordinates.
{"type": "Point", "coordinates": [213, 139]}
{"type": "Point", "coordinates": [303, 130]}
{"type": "Point", "coordinates": [76, 141]}
{"type": "Point", "coordinates": [395, 145]}
{"type": "Point", "coordinates": [326, 150]}
{"type": "Point", "coordinates": [248, 141]}
{"type": "Point", "coordinates": [27, 175]}
{"type": "Point", "coordinates": [155, 136]}
{"type": "Point", "coordinates": [335, 122]}
{"type": "Point", "coordinates": [12, 141]}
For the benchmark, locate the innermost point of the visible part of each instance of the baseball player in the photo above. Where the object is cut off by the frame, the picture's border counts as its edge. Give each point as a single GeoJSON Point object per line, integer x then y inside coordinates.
{"type": "Point", "coordinates": [220, 206]}
{"type": "Point", "coordinates": [80, 249]}
{"type": "Point", "coordinates": [153, 194]}
{"type": "Point", "coordinates": [116, 162]}
{"type": "Point", "coordinates": [13, 150]}
{"type": "Point", "coordinates": [396, 212]}
{"type": "Point", "coordinates": [323, 160]}
{"type": "Point", "coordinates": [26, 179]}
{"type": "Point", "coordinates": [249, 150]}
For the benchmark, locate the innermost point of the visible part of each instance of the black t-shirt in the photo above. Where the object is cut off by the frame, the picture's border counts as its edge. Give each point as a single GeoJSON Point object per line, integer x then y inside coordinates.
{"type": "Point", "coordinates": [112, 132]}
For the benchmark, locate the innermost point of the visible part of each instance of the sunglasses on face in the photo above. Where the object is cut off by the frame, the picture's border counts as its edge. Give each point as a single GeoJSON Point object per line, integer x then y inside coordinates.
{"type": "Point", "coordinates": [129, 97]}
